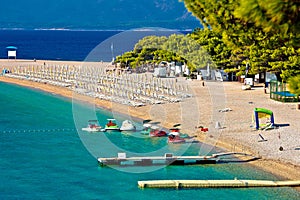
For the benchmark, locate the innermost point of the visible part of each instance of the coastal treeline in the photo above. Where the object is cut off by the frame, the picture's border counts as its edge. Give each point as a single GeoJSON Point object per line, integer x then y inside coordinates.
{"type": "Point", "coordinates": [192, 49]}
{"type": "Point", "coordinates": [236, 33]}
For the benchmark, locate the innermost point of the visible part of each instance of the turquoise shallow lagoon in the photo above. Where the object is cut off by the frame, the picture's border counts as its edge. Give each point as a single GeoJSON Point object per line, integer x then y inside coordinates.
{"type": "Point", "coordinates": [44, 157]}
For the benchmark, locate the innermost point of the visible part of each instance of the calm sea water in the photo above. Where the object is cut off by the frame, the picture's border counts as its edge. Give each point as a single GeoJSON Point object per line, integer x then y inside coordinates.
{"type": "Point", "coordinates": [52, 45]}
{"type": "Point", "coordinates": [73, 45]}
{"type": "Point", "coordinates": [42, 156]}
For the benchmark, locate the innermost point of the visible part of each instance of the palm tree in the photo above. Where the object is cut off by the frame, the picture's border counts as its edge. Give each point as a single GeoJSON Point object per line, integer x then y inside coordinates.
{"type": "Point", "coordinates": [294, 86]}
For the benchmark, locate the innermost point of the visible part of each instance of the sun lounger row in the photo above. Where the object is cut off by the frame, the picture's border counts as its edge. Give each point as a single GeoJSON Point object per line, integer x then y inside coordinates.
{"type": "Point", "coordinates": [129, 89]}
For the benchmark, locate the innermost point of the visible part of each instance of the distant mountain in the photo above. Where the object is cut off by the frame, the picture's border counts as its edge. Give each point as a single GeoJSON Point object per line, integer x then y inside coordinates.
{"type": "Point", "coordinates": [95, 14]}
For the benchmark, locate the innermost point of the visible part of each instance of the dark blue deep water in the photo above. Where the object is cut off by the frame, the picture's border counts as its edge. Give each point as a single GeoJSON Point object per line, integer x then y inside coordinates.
{"type": "Point", "coordinates": [73, 45]}
{"type": "Point", "coordinates": [52, 45]}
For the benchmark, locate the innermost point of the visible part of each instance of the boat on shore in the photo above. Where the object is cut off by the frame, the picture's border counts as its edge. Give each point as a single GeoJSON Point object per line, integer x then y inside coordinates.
{"type": "Point", "coordinates": [111, 125]}
{"type": "Point", "coordinates": [127, 125]}
{"type": "Point", "coordinates": [174, 136]}
{"type": "Point", "coordinates": [146, 129]}
{"type": "Point", "coordinates": [176, 131]}
{"type": "Point", "coordinates": [175, 139]}
{"type": "Point", "coordinates": [156, 132]}
{"type": "Point", "coordinates": [93, 126]}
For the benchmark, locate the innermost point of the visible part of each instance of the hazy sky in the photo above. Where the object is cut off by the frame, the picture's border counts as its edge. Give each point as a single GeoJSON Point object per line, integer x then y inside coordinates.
{"type": "Point", "coordinates": [95, 14]}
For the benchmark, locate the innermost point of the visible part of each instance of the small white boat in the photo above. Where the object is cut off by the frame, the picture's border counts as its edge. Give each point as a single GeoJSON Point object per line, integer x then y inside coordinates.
{"type": "Point", "coordinates": [93, 126]}
{"type": "Point", "coordinates": [127, 126]}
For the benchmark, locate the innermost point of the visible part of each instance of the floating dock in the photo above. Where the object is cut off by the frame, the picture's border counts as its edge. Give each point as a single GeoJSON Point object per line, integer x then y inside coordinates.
{"type": "Point", "coordinates": [215, 183]}
{"type": "Point", "coordinates": [168, 159]}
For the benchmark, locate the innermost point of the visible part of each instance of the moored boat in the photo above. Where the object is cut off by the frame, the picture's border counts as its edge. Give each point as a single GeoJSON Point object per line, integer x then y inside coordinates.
{"type": "Point", "coordinates": [93, 126]}
{"type": "Point", "coordinates": [146, 129]}
{"type": "Point", "coordinates": [176, 131]}
{"type": "Point", "coordinates": [127, 125]}
{"type": "Point", "coordinates": [175, 139]}
{"type": "Point", "coordinates": [156, 132]}
{"type": "Point", "coordinates": [175, 136]}
{"type": "Point", "coordinates": [111, 125]}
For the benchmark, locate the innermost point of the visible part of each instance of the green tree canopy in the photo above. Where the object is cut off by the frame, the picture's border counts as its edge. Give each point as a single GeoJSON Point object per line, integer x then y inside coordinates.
{"type": "Point", "coordinates": [280, 16]}
{"type": "Point", "coordinates": [263, 33]}
{"type": "Point", "coordinates": [212, 42]}
{"type": "Point", "coordinates": [294, 84]}
{"type": "Point", "coordinates": [176, 47]}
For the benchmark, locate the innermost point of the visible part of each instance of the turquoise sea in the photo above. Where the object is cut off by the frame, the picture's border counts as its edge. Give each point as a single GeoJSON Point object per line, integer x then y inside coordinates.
{"type": "Point", "coordinates": [42, 156]}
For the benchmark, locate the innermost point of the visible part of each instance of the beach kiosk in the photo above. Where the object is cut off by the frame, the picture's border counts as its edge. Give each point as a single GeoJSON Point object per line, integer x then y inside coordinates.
{"type": "Point", "coordinates": [11, 52]}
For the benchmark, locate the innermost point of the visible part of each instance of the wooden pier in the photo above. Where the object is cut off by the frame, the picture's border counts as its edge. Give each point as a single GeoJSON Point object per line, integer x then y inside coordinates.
{"type": "Point", "coordinates": [169, 159]}
{"type": "Point", "coordinates": [215, 183]}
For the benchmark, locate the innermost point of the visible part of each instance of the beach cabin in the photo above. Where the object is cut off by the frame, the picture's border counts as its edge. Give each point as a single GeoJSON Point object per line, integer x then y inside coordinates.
{"type": "Point", "coordinates": [160, 72]}
{"type": "Point", "coordinates": [215, 74]}
{"type": "Point", "coordinates": [11, 52]}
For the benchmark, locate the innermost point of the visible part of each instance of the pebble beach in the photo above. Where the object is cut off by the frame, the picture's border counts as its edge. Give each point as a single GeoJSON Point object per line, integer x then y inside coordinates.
{"type": "Point", "coordinates": [192, 103]}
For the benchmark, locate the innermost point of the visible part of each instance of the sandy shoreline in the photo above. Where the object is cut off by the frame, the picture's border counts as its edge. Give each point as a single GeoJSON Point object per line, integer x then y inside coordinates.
{"type": "Point", "coordinates": [236, 134]}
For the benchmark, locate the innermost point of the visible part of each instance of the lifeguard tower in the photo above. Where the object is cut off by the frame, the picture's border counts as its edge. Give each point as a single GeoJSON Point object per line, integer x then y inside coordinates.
{"type": "Point", "coordinates": [11, 52]}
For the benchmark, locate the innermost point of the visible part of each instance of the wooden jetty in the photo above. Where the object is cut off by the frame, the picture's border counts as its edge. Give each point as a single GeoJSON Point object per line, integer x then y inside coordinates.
{"type": "Point", "coordinates": [215, 183]}
{"type": "Point", "coordinates": [168, 159]}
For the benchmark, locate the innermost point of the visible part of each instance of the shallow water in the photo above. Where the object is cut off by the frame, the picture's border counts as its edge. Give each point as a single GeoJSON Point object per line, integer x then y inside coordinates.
{"type": "Point", "coordinates": [43, 157]}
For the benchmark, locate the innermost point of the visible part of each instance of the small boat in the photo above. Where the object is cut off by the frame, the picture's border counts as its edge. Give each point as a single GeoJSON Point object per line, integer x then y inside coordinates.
{"type": "Point", "coordinates": [175, 136]}
{"type": "Point", "coordinates": [111, 125]}
{"type": "Point", "coordinates": [146, 129]}
{"type": "Point", "coordinates": [176, 131]}
{"type": "Point", "coordinates": [155, 132]}
{"type": "Point", "coordinates": [127, 126]}
{"type": "Point", "coordinates": [175, 139]}
{"type": "Point", "coordinates": [93, 126]}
